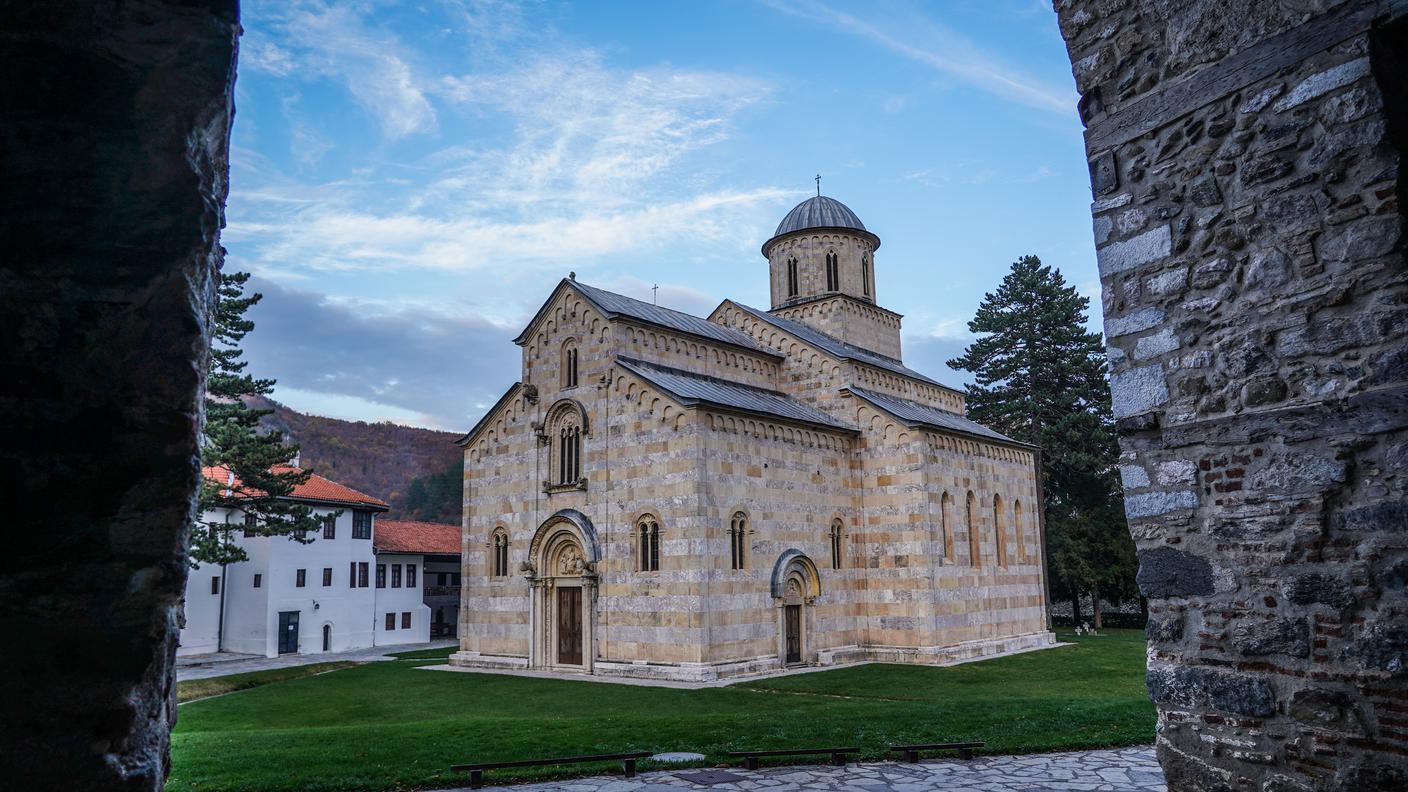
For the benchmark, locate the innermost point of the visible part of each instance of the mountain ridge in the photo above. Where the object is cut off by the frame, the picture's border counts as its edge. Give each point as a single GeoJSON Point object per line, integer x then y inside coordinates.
{"type": "Point", "coordinates": [381, 459]}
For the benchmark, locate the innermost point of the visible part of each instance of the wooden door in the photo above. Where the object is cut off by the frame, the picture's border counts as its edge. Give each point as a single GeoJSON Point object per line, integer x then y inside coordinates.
{"type": "Point", "coordinates": [792, 618]}
{"type": "Point", "coordinates": [288, 632]}
{"type": "Point", "coordinates": [327, 637]}
{"type": "Point", "coordinates": [569, 626]}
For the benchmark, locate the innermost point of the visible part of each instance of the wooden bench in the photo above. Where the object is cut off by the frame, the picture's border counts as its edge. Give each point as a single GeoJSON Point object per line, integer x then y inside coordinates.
{"type": "Point", "coordinates": [911, 752]}
{"type": "Point", "coordinates": [838, 755]}
{"type": "Point", "coordinates": [476, 771]}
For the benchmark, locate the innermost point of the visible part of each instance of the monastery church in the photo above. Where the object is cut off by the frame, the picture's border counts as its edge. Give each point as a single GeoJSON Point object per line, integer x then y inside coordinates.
{"type": "Point", "coordinates": [675, 497]}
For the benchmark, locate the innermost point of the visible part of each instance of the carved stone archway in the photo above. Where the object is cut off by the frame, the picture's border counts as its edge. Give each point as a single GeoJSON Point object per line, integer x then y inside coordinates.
{"type": "Point", "coordinates": [562, 572]}
{"type": "Point", "coordinates": [795, 586]}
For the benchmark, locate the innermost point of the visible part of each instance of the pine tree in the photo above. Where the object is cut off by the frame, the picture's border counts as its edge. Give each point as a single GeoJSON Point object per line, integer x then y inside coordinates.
{"type": "Point", "coordinates": [1040, 378]}
{"type": "Point", "coordinates": [256, 461]}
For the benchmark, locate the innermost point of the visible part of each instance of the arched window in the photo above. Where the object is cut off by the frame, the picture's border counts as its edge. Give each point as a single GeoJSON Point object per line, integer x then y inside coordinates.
{"type": "Point", "coordinates": [999, 528]}
{"type": "Point", "coordinates": [1017, 528]}
{"type": "Point", "coordinates": [836, 531]}
{"type": "Point", "coordinates": [865, 274]}
{"type": "Point", "coordinates": [498, 553]}
{"type": "Point", "coordinates": [791, 276]}
{"type": "Point", "coordinates": [648, 540]}
{"type": "Point", "coordinates": [973, 548]}
{"type": "Point", "coordinates": [946, 523]}
{"type": "Point", "coordinates": [833, 272]}
{"type": "Point", "coordinates": [569, 453]}
{"type": "Point", "coordinates": [738, 540]}
{"type": "Point", "coordinates": [569, 364]}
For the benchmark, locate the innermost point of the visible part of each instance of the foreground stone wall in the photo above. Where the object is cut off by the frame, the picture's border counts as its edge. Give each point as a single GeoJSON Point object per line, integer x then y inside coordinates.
{"type": "Point", "coordinates": [113, 150]}
{"type": "Point", "coordinates": [1246, 164]}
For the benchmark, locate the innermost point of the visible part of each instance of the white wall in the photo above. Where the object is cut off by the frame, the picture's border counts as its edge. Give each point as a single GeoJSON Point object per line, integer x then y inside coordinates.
{"type": "Point", "coordinates": [252, 614]}
{"type": "Point", "coordinates": [401, 600]}
{"type": "Point", "coordinates": [201, 630]}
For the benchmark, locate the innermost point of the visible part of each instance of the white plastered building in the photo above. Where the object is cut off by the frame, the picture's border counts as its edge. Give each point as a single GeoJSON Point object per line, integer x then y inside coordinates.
{"type": "Point", "coordinates": [332, 594]}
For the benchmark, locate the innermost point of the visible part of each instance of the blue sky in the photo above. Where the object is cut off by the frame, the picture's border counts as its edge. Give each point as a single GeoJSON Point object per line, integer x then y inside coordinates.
{"type": "Point", "coordinates": [409, 180]}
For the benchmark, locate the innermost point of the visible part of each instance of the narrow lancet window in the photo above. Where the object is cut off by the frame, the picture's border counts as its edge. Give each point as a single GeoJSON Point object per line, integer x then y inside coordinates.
{"type": "Point", "coordinates": [737, 540]}
{"type": "Point", "coordinates": [569, 464]}
{"type": "Point", "coordinates": [499, 557]}
{"type": "Point", "coordinates": [974, 548]}
{"type": "Point", "coordinates": [999, 527]}
{"type": "Point", "coordinates": [569, 364]}
{"type": "Point", "coordinates": [649, 533]}
{"type": "Point", "coordinates": [833, 272]}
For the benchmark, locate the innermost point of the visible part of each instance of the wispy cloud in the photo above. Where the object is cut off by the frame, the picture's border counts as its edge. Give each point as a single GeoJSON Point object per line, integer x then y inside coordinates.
{"type": "Point", "coordinates": [973, 174]}
{"type": "Point", "coordinates": [923, 39]}
{"type": "Point", "coordinates": [333, 40]}
{"type": "Point", "coordinates": [591, 135]}
{"type": "Point", "coordinates": [951, 329]}
{"type": "Point", "coordinates": [506, 167]}
{"type": "Point", "coordinates": [590, 168]}
{"type": "Point", "coordinates": [339, 234]}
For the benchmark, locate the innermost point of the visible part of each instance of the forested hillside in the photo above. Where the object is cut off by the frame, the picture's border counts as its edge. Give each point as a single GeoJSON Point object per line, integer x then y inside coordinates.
{"type": "Point", "coordinates": [415, 470]}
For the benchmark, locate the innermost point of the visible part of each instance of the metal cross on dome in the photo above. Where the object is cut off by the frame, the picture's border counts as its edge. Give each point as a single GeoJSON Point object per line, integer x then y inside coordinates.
{"type": "Point", "coordinates": [818, 185]}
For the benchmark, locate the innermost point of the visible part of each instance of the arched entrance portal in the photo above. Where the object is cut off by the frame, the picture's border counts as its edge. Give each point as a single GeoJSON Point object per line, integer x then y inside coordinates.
{"type": "Point", "coordinates": [562, 572]}
{"type": "Point", "coordinates": [795, 587]}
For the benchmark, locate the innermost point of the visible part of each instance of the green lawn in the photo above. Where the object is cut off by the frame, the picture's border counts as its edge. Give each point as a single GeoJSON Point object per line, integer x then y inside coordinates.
{"type": "Point", "coordinates": [388, 725]}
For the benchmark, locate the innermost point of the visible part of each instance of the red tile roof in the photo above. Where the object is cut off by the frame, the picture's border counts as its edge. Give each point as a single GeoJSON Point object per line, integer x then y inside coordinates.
{"type": "Point", "coordinates": [409, 536]}
{"type": "Point", "coordinates": [316, 488]}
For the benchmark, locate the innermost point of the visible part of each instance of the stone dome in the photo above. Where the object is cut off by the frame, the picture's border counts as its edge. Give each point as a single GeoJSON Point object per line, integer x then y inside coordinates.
{"type": "Point", "coordinates": [820, 211]}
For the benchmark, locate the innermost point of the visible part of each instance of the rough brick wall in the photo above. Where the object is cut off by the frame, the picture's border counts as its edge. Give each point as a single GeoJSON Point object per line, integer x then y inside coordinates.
{"type": "Point", "coordinates": [1246, 169]}
{"type": "Point", "coordinates": [113, 150]}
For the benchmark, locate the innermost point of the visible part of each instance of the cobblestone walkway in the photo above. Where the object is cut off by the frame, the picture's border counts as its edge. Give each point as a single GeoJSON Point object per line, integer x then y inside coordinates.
{"type": "Point", "coordinates": [1117, 770]}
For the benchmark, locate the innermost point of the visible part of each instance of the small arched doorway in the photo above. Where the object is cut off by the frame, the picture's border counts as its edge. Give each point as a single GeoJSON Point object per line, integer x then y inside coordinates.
{"type": "Point", "coordinates": [562, 573]}
{"type": "Point", "coordinates": [795, 587]}
{"type": "Point", "coordinates": [327, 637]}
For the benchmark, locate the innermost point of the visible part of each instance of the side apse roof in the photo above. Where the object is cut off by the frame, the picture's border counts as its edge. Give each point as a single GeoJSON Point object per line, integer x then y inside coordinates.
{"type": "Point", "coordinates": [690, 389]}
{"type": "Point", "coordinates": [915, 414]}
{"type": "Point", "coordinates": [836, 347]}
{"type": "Point", "coordinates": [614, 305]}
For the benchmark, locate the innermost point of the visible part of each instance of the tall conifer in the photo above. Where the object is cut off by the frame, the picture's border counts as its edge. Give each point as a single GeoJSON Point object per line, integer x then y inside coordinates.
{"type": "Point", "coordinates": [255, 461]}
{"type": "Point", "coordinates": [1040, 378]}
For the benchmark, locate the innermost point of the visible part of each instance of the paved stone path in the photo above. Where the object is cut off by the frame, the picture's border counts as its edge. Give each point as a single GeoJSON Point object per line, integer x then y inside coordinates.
{"type": "Point", "coordinates": [226, 663]}
{"type": "Point", "coordinates": [1116, 770]}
